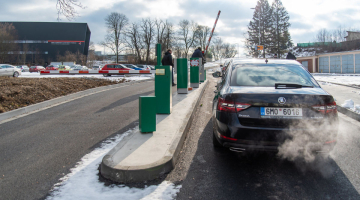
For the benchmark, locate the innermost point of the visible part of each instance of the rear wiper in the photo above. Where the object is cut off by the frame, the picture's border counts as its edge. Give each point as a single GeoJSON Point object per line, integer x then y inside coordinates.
{"type": "Point", "coordinates": [289, 86]}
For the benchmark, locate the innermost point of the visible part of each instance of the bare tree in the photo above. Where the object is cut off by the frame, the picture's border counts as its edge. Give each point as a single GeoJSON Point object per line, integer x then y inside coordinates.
{"type": "Point", "coordinates": [228, 50]}
{"type": "Point", "coordinates": [160, 33]}
{"type": "Point", "coordinates": [91, 55]}
{"type": "Point", "coordinates": [147, 26]}
{"type": "Point", "coordinates": [216, 48]}
{"type": "Point", "coordinates": [202, 34]}
{"type": "Point", "coordinates": [187, 33]}
{"type": "Point", "coordinates": [169, 38]}
{"type": "Point", "coordinates": [116, 24]}
{"type": "Point", "coordinates": [133, 40]}
{"type": "Point", "coordinates": [67, 8]}
{"type": "Point", "coordinates": [165, 34]}
{"type": "Point", "coordinates": [7, 44]}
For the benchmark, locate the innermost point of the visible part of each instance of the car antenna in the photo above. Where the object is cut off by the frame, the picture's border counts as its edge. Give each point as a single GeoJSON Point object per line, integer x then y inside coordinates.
{"type": "Point", "coordinates": [266, 61]}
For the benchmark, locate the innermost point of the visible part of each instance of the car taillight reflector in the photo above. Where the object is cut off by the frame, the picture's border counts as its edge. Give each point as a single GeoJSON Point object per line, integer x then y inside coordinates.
{"type": "Point", "coordinates": [241, 106]}
{"type": "Point", "coordinates": [328, 108]}
{"type": "Point", "coordinates": [228, 138]}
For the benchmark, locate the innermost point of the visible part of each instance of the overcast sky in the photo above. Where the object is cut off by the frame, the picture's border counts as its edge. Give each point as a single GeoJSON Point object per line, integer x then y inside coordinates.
{"type": "Point", "coordinates": [306, 16]}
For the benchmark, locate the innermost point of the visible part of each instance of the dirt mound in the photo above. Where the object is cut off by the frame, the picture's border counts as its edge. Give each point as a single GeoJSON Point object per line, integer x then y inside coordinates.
{"type": "Point", "coordinates": [20, 92]}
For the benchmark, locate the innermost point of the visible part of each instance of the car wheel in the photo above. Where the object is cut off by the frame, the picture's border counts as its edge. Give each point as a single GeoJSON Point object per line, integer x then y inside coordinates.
{"type": "Point", "coordinates": [16, 74]}
{"type": "Point", "coordinates": [216, 143]}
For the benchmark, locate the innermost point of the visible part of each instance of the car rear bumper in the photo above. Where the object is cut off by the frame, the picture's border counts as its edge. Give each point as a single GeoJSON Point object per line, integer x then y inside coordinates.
{"type": "Point", "coordinates": [242, 138]}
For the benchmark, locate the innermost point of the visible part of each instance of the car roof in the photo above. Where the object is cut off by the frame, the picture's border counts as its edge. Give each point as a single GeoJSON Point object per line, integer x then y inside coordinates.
{"type": "Point", "coordinates": [262, 61]}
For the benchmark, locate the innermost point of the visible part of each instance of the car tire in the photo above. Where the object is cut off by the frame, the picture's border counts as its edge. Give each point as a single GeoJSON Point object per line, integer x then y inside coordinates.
{"type": "Point", "coordinates": [16, 74]}
{"type": "Point", "coordinates": [216, 143]}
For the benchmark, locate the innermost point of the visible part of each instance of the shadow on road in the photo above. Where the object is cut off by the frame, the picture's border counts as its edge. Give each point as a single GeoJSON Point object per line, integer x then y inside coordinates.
{"type": "Point", "coordinates": [123, 101]}
{"type": "Point", "coordinates": [227, 175]}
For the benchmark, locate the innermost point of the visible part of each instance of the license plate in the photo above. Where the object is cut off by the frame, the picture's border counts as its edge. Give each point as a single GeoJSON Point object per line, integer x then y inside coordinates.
{"type": "Point", "coordinates": [281, 112]}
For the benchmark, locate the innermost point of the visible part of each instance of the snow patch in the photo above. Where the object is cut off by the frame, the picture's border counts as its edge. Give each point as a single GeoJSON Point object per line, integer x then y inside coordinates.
{"type": "Point", "coordinates": [83, 180]}
{"type": "Point", "coordinates": [348, 104]}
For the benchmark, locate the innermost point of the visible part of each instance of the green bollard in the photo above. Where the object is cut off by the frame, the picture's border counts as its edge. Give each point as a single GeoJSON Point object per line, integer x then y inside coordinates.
{"type": "Point", "coordinates": [182, 76]}
{"type": "Point", "coordinates": [147, 114]}
{"type": "Point", "coordinates": [163, 85]}
{"type": "Point", "coordinates": [205, 75]}
{"type": "Point", "coordinates": [194, 72]}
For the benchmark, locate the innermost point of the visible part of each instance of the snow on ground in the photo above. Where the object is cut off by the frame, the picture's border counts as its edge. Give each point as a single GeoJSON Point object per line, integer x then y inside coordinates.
{"type": "Point", "coordinates": [210, 64]}
{"type": "Point", "coordinates": [347, 79]}
{"type": "Point", "coordinates": [116, 78]}
{"type": "Point", "coordinates": [83, 181]}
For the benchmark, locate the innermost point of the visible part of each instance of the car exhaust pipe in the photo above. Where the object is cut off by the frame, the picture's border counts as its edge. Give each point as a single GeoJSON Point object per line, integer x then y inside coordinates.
{"type": "Point", "coordinates": [235, 149]}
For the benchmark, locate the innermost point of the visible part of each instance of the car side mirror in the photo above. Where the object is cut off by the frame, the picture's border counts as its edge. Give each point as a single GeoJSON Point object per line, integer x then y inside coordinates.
{"type": "Point", "coordinates": [216, 74]}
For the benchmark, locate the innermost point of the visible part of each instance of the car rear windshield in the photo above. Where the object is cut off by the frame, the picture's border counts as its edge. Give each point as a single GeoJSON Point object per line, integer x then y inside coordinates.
{"type": "Point", "coordinates": [268, 75]}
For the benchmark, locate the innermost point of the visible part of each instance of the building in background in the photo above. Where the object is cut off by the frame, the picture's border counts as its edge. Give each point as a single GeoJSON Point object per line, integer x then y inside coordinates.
{"type": "Point", "coordinates": [345, 62]}
{"type": "Point", "coordinates": [44, 42]}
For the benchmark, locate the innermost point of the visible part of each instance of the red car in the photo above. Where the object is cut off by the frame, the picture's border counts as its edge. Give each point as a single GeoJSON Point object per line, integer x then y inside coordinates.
{"type": "Point", "coordinates": [36, 68]}
{"type": "Point", "coordinates": [113, 66]}
{"type": "Point", "coordinates": [52, 67]}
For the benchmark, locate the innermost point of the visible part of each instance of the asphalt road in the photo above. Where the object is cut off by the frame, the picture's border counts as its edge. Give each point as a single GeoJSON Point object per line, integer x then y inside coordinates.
{"type": "Point", "coordinates": [38, 149]}
{"type": "Point", "coordinates": [208, 174]}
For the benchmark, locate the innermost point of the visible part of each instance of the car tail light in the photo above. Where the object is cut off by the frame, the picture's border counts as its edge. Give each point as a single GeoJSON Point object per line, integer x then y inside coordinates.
{"type": "Point", "coordinates": [226, 106]}
{"type": "Point", "coordinates": [230, 106]}
{"type": "Point", "coordinates": [328, 108]}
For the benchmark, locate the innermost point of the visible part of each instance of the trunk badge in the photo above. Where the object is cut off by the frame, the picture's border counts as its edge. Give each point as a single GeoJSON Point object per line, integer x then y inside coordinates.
{"type": "Point", "coordinates": [281, 100]}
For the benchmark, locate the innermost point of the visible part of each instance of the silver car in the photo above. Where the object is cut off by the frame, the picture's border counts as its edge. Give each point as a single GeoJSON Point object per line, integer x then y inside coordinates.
{"type": "Point", "coordinates": [24, 68]}
{"type": "Point", "coordinates": [9, 70]}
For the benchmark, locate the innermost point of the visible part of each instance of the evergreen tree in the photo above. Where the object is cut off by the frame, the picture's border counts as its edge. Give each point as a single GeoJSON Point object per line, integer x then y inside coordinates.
{"type": "Point", "coordinates": [261, 23]}
{"type": "Point", "coordinates": [280, 39]}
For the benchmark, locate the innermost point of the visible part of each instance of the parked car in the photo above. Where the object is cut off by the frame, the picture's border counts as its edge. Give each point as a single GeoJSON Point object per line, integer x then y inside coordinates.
{"type": "Point", "coordinates": [258, 106]}
{"type": "Point", "coordinates": [143, 67]}
{"type": "Point", "coordinates": [64, 67]}
{"type": "Point", "coordinates": [9, 70]}
{"type": "Point", "coordinates": [80, 68]}
{"type": "Point", "coordinates": [96, 68]}
{"type": "Point", "coordinates": [131, 66]}
{"type": "Point", "coordinates": [52, 67]}
{"type": "Point", "coordinates": [24, 68]}
{"type": "Point", "coordinates": [36, 68]}
{"type": "Point", "coordinates": [114, 66]}
{"type": "Point", "coordinates": [72, 67]}
{"type": "Point", "coordinates": [152, 67]}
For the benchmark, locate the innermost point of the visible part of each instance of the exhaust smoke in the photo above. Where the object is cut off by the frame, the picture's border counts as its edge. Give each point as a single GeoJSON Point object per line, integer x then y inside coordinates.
{"type": "Point", "coordinates": [309, 145]}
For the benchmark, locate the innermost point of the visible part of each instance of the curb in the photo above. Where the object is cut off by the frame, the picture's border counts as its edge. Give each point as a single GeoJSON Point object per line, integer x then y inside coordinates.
{"type": "Point", "coordinates": [155, 170]}
{"type": "Point", "coordinates": [343, 110]}
{"type": "Point", "coordinates": [348, 112]}
{"type": "Point", "coordinates": [353, 86]}
{"type": "Point", "coordinates": [58, 100]}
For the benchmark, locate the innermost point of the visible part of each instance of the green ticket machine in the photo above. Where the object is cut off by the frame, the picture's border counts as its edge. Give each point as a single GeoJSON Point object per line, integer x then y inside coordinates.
{"type": "Point", "coordinates": [163, 84]}
{"type": "Point", "coordinates": [182, 75]}
{"type": "Point", "coordinates": [194, 72]}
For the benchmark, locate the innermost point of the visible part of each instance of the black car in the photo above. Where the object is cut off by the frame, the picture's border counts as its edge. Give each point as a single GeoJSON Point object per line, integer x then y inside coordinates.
{"type": "Point", "coordinates": [266, 106]}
